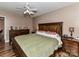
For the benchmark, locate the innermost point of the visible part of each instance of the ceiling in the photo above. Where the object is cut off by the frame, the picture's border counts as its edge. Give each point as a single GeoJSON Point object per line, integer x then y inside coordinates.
{"type": "Point", "coordinates": [42, 7]}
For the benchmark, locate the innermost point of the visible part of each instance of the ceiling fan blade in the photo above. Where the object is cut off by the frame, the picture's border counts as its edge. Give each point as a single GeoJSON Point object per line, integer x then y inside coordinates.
{"type": "Point", "coordinates": [20, 8]}
{"type": "Point", "coordinates": [31, 13]}
{"type": "Point", "coordinates": [34, 10]}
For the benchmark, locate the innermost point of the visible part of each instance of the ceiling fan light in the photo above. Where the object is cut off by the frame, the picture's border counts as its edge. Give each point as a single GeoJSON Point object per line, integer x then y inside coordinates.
{"type": "Point", "coordinates": [26, 11]}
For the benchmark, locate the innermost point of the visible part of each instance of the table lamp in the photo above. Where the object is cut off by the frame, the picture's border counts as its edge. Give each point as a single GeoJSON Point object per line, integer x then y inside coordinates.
{"type": "Point", "coordinates": [71, 30]}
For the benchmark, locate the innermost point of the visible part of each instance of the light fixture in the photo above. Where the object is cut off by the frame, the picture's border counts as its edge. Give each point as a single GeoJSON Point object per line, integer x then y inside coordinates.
{"type": "Point", "coordinates": [71, 30]}
{"type": "Point", "coordinates": [27, 11]}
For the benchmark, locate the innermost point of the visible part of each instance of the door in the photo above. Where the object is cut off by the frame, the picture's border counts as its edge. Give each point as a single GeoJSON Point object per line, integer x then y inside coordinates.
{"type": "Point", "coordinates": [2, 29]}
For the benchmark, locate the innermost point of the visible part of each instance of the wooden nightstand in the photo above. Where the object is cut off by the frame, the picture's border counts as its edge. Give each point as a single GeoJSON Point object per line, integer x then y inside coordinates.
{"type": "Point", "coordinates": [71, 46]}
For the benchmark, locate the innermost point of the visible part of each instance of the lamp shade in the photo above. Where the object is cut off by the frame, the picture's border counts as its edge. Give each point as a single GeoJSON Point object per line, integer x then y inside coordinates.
{"type": "Point", "coordinates": [71, 29]}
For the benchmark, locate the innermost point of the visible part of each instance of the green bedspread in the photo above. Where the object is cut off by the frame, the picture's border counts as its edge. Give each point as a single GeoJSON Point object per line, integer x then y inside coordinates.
{"type": "Point", "coordinates": [36, 45]}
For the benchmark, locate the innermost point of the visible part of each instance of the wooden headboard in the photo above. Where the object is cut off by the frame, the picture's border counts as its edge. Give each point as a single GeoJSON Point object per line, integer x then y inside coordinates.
{"type": "Point", "coordinates": [53, 27]}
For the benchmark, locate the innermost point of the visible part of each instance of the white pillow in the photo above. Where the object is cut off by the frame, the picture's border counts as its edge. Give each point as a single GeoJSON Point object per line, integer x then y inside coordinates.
{"type": "Point", "coordinates": [40, 32]}
{"type": "Point", "coordinates": [50, 34]}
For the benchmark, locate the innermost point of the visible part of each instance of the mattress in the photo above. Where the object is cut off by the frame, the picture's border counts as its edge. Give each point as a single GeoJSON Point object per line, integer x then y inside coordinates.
{"type": "Point", "coordinates": [34, 45]}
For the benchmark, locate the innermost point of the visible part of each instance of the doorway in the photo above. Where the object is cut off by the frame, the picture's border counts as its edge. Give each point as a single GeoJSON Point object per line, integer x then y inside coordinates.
{"type": "Point", "coordinates": [2, 30]}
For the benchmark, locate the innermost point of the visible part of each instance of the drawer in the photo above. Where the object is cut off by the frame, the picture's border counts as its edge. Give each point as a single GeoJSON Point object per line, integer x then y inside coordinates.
{"type": "Point", "coordinates": [74, 52]}
{"type": "Point", "coordinates": [67, 49]}
{"type": "Point", "coordinates": [70, 45]}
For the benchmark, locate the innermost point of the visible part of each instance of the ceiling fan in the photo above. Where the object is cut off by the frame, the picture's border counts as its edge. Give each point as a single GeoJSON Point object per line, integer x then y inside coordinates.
{"type": "Point", "coordinates": [28, 10]}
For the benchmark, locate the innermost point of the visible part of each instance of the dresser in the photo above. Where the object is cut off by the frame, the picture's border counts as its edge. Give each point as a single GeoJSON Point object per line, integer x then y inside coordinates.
{"type": "Point", "coordinates": [71, 46]}
{"type": "Point", "coordinates": [13, 33]}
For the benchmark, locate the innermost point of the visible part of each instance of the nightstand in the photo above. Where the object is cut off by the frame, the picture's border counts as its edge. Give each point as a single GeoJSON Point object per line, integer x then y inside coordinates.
{"type": "Point", "coordinates": [71, 46]}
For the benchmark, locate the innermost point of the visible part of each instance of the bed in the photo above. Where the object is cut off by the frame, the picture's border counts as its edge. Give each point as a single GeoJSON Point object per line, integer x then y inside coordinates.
{"type": "Point", "coordinates": [34, 45]}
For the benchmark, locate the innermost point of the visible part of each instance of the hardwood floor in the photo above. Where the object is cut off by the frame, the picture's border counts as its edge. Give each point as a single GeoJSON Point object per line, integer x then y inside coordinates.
{"type": "Point", "coordinates": [61, 53]}
{"type": "Point", "coordinates": [6, 50]}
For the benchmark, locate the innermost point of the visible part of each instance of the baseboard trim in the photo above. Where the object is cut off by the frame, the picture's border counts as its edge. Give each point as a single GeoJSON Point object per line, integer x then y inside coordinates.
{"type": "Point", "coordinates": [6, 40]}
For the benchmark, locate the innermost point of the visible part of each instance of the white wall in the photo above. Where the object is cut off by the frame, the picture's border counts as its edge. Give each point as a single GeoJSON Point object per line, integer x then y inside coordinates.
{"type": "Point", "coordinates": [13, 19]}
{"type": "Point", "coordinates": [68, 15]}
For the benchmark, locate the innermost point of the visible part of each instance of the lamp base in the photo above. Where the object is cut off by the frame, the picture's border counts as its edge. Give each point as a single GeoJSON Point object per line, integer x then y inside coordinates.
{"type": "Point", "coordinates": [71, 34]}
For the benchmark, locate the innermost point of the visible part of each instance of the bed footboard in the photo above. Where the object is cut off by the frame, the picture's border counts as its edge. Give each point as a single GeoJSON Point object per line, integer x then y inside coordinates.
{"type": "Point", "coordinates": [17, 49]}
